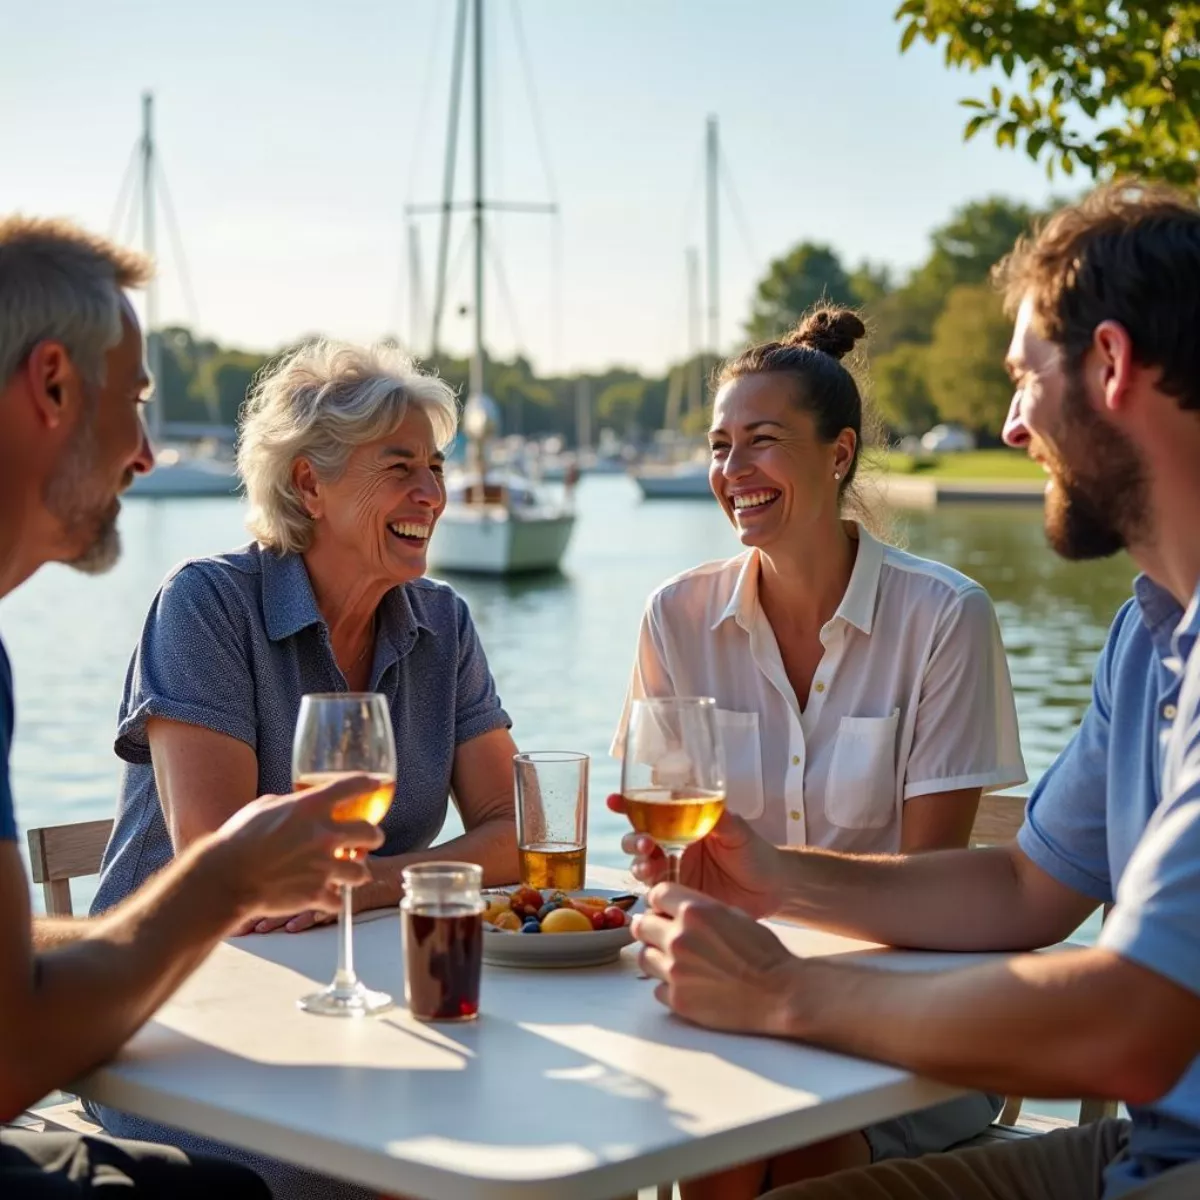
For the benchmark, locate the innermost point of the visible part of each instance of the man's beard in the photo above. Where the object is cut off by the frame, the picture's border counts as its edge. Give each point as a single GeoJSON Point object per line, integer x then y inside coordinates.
{"type": "Point", "coordinates": [87, 509]}
{"type": "Point", "coordinates": [1098, 502]}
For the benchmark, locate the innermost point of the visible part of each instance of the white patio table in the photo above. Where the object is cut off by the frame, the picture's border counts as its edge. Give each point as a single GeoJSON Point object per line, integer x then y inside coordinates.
{"type": "Point", "coordinates": [572, 1083]}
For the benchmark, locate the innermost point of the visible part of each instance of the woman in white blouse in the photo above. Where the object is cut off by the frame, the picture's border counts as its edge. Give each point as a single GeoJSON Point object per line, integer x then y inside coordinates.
{"type": "Point", "coordinates": [863, 694]}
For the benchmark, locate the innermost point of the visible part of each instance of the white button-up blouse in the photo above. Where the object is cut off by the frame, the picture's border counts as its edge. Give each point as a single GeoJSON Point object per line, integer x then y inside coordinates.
{"type": "Point", "coordinates": [912, 695]}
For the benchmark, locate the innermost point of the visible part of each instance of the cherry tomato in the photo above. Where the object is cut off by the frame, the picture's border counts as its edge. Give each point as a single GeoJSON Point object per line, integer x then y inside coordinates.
{"type": "Point", "coordinates": [613, 918]}
{"type": "Point", "coordinates": [596, 916]}
{"type": "Point", "coordinates": [526, 901]}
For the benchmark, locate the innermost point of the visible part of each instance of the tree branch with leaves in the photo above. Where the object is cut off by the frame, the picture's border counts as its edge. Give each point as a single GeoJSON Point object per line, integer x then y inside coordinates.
{"type": "Point", "coordinates": [1111, 87]}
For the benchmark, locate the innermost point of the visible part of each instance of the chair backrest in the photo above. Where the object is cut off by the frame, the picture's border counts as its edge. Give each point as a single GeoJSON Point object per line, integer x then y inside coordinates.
{"type": "Point", "coordinates": [60, 853]}
{"type": "Point", "coordinates": [998, 819]}
{"type": "Point", "coordinates": [997, 822]}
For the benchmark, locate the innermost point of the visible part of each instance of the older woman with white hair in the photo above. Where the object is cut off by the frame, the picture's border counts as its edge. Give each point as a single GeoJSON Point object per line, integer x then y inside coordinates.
{"type": "Point", "coordinates": [342, 453]}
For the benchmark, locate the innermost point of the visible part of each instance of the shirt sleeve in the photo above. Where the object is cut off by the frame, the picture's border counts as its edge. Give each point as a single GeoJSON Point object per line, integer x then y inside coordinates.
{"type": "Point", "coordinates": [1156, 920]}
{"type": "Point", "coordinates": [966, 728]}
{"type": "Point", "coordinates": [477, 709]}
{"type": "Point", "coordinates": [191, 665]}
{"type": "Point", "coordinates": [8, 817]}
{"type": "Point", "coordinates": [651, 675]}
{"type": "Point", "coordinates": [1065, 832]}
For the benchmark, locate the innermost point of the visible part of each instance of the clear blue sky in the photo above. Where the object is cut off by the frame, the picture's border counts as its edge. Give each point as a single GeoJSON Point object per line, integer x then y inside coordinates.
{"type": "Point", "coordinates": [292, 134]}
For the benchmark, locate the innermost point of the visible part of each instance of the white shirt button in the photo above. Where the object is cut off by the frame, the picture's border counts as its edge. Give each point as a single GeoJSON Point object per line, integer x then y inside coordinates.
{"type": "Point", "coordinates": [794, 814]}
{"type": "Point", "coordinates": [820, 687]}
{"type": "Point", "coordinates": [795, 760]}
{"type": "Point", "coordinates": [1170, 712]}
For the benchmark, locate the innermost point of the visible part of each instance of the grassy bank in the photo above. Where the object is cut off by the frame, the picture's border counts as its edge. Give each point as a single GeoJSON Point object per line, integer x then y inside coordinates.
{"type": "Point", "coordinates": [969, 465]}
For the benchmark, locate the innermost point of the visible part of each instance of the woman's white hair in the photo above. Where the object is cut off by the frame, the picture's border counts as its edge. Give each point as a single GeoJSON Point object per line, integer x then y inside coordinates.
{"type": "Point", "coordinates": [319, 403]}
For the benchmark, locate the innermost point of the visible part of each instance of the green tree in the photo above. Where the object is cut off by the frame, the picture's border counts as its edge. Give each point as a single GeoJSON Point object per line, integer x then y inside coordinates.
{"type": "Point", "coordinates": [1114, 88]}
{"type": "Point", "coordinates": [793, 284]}
{"type": "Point", "coordinates": [963, 251]}
{"type": "Point", "coordinates": [901, 388]}
{"type": "Point", "coordinates": [227, 375]}
{"type": "Point", "coordinates": [870, 282]}
{"type": "Point", "coordinates": [966, 375]}
{"type": "Point", "coordinates": [620, 405]}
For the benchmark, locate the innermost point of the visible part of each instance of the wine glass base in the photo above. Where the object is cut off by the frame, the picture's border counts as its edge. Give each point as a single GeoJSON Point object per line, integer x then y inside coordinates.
{"type": "Point", "coordinates": [357, 1001]}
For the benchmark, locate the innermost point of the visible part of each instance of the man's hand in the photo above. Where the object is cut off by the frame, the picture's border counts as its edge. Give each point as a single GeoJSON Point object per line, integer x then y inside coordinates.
{"type": "Point", "coordinates": [716, 966]}
{"type": "Point", "coordinates": [283, 855]}
{"type": "Point", "coordinates": [732, 864]}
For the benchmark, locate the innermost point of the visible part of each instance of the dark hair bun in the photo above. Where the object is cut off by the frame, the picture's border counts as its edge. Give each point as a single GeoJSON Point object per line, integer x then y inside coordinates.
{"type": "Point", "coordinates": [833, 331]}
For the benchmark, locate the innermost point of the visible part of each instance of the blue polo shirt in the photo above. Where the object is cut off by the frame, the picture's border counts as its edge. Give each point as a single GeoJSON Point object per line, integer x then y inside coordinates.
{"type": "Point", "coordinates": [8, 818]}
{"type": "Point", "coordinates": [1118, 817]}
{"type": "Point", "coordinates": [233, 642]}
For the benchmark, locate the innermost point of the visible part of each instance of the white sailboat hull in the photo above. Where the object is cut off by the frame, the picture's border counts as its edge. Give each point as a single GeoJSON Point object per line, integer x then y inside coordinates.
{"type": "Point", "coordinates": [490, 540]}
{"type": "Point", "coordinates": [188, 477]}
{"type": "Point", "coordinates": [687, 482]}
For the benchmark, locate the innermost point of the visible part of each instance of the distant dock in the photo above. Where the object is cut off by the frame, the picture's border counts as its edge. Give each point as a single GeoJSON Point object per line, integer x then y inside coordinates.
{"type": "Point", "coordinates": [915, 491]}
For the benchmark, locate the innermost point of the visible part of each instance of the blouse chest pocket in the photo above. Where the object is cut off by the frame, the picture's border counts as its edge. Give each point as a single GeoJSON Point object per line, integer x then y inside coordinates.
{"type": "Point", "coordinates": [743, 762]}
{"type": "Point", "coordinates": [860, 790]}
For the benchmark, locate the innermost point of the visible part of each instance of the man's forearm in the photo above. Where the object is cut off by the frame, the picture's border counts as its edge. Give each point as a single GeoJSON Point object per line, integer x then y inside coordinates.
{"type": "Point", "coordinates": [125, 963]}
{"type": "Point", "coordinates": [943, 900]}
{"type": "Point", "coordinates": [1068, 1024]}
{"type": "Point", "coordinates": [52, 933]}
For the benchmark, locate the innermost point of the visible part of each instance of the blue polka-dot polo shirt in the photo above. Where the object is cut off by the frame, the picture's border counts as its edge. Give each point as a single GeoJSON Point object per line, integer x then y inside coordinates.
{"type": "Point", "coordinates": [233, 642]}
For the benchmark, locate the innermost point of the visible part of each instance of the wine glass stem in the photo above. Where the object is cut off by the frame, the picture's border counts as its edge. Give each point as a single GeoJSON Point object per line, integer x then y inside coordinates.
{"type": "Point", "coordinates": [345, 979]}
{"type": "Point", "coordinates": [672, 866]}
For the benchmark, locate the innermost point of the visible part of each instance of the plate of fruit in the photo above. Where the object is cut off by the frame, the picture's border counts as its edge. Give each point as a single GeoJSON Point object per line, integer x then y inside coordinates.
{"type": "Point", "coordinates": [525, 927]}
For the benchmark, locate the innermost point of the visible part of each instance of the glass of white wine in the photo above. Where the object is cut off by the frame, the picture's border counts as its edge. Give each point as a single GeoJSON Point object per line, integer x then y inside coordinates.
{"type": "Point", "coordinates": [340, 734]}
{"type": "Point", "coordinates": [672, 778]}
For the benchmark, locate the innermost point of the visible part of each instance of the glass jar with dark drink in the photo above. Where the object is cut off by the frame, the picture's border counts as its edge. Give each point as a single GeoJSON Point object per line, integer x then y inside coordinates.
{"type": "Point", "coordinates": [442, 919]}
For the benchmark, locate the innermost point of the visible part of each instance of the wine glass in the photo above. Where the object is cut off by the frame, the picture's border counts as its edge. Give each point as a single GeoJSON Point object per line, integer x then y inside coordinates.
{"type": "Point", "coordinates": [672, 777]}
{"type": "Point", "coordinates": [340, 734]}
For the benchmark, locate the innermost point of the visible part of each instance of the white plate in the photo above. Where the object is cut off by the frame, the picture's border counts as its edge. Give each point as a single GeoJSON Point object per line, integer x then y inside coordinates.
{"type": "Point", "coordinates": [502, 948]}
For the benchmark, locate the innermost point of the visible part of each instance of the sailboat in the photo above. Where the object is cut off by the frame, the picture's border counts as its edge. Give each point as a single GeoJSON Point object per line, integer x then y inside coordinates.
{"type": "Point", "coordinates": [178, 470]}
{"type": "Point", "coordinates": [688, 480]}
{"type": "Point", "coordinates": [495, 523]}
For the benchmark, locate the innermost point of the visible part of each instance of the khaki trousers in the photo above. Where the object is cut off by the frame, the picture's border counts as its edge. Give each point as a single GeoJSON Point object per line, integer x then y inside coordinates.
{"type": "Point", "coordinates": [1067, 1164]}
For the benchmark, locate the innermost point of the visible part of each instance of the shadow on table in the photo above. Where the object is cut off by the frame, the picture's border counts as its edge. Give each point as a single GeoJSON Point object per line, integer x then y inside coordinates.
{"type": "Point", "coordinates": [580, 1068]}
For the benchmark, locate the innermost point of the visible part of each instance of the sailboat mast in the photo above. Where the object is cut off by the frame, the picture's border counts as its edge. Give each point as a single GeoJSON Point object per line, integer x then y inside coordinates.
{"type": "Point", "coordinates": [477, 359]}
{"type": "Point", "coordinates": [153, 340]}
{"type": "Point", "coordinates": [416, 299]}
{"type": "Point", "coordinates": [712, 157]}
{"type": "Point", "coordinates": [694, 400]}
{"type": "Point", "coordinates": [451, 160]}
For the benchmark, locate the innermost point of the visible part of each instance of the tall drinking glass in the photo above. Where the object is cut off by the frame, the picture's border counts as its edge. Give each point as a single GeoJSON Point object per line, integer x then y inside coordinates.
{"type": "Point", "coordinates": [340, 734]}
{"type": "Point", "coordinates": [672, 778]}
{"type": "Point", "coordinates": [552, 799]}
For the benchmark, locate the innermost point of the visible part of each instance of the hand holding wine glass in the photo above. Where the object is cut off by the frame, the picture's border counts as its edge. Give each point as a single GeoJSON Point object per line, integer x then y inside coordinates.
{"type": "Point", "coordinates": [672, 777]}
{"type": "Point", "coordinates": [732, 864]}
{"type": "Point", "coordinates": [337, 735]}
{"type": "Point", "coordinates": [281, 852]}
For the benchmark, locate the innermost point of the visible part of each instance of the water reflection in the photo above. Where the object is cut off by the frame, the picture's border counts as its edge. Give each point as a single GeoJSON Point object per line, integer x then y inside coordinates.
{"type": "Point", "coordinates": [560, 646]}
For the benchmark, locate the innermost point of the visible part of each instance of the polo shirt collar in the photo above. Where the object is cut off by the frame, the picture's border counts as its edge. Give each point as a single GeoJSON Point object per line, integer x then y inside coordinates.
{"type": "Point", "coordinates": [857, 605]}
{"type": "Point", "coordinates": [288, 601]}
{"type": "Point", "coordinates": [1160, 613]}
{"type": "Point", "coordinates": [289, 605]}
{"type": "Point", "coordinates": [1188, 629]}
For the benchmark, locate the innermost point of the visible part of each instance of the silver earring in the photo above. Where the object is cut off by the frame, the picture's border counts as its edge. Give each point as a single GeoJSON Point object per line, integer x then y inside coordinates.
{"type": "Point", "coordinates": [837, 474]}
